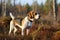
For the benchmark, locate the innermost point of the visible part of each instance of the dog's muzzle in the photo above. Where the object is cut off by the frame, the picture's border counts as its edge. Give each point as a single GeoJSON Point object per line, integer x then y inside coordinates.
{"type": "Point", "coordinates": [37, 16]}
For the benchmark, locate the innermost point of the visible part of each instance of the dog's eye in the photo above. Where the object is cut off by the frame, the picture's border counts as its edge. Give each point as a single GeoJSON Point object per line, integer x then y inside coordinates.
{"type": "Point", "coordinates": [35, 13]}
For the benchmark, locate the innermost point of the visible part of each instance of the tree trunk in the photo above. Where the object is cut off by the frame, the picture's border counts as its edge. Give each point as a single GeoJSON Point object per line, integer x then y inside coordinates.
{"type": "Point", "coordinates": [4, 8]}
{"type": "Point", "coordinates": [14, 2]}
{"type": "Point", "coordinates": [54, 10]}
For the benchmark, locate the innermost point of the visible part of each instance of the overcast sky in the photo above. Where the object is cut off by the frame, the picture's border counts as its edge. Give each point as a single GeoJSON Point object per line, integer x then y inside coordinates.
{"type": "Point", "coordinates": [31, 1]}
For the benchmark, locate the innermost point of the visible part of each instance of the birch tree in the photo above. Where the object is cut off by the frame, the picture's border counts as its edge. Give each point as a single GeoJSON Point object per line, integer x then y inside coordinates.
{"type": "Point", "coordinates": [4, 8]}
{"type": "Point", "coordinates": [54, 9]}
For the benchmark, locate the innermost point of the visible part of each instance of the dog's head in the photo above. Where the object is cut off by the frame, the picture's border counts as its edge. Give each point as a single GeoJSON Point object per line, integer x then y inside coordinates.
{"type": "Point", "coordinates": [33, 15]}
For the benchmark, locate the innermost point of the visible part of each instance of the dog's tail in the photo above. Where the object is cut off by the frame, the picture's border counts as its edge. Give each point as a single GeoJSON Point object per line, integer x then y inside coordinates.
{"type": "Point", "coordinates": [12, 16]}
{"type": "Point", "coordinates": [13, 19]}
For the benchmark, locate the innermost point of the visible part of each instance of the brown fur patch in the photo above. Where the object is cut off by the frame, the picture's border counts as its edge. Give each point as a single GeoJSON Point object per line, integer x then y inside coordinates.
{"type": "Point", "coordinates": [31, 14]}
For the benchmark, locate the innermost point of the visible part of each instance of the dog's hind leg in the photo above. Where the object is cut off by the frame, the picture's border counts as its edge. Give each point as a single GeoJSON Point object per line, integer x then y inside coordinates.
{"type": "Point", "coordinates": [11, 28]}
{"type": "Point", "coordinates": [15, 30]}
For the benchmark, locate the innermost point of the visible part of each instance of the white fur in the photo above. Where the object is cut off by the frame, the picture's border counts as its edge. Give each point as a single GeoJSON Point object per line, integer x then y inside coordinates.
{"type": "Point", "coordinates": [12, 16]}
{"type": "Point", "coordinates": [37, 16]}
{"type": "Point", "coordinates": [26, 23]}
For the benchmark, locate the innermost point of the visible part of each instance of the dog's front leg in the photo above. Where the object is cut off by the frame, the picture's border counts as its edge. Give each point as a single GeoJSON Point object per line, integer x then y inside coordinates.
{"type": "Point", "coordinates": [27, 32]}
{"type": "Point", "coordinates": [22, 33]}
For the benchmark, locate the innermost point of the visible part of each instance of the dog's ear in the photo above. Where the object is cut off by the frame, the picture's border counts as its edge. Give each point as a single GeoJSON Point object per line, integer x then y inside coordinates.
{"type": "Point", "coordinates": [29, 14]}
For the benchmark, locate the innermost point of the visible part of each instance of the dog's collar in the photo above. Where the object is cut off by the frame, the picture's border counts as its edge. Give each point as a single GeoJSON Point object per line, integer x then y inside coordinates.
{"type": "Point", "coordinates": [30, 20]}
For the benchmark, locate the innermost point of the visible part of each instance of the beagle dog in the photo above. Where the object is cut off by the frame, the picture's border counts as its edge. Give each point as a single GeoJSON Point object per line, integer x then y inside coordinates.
{"type": "Point", "coordinates": [26, 22]}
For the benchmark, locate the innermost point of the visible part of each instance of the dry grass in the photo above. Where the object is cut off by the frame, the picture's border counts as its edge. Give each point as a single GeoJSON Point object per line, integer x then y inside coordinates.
{"type": "Point", "coordinates": [41, 30]}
